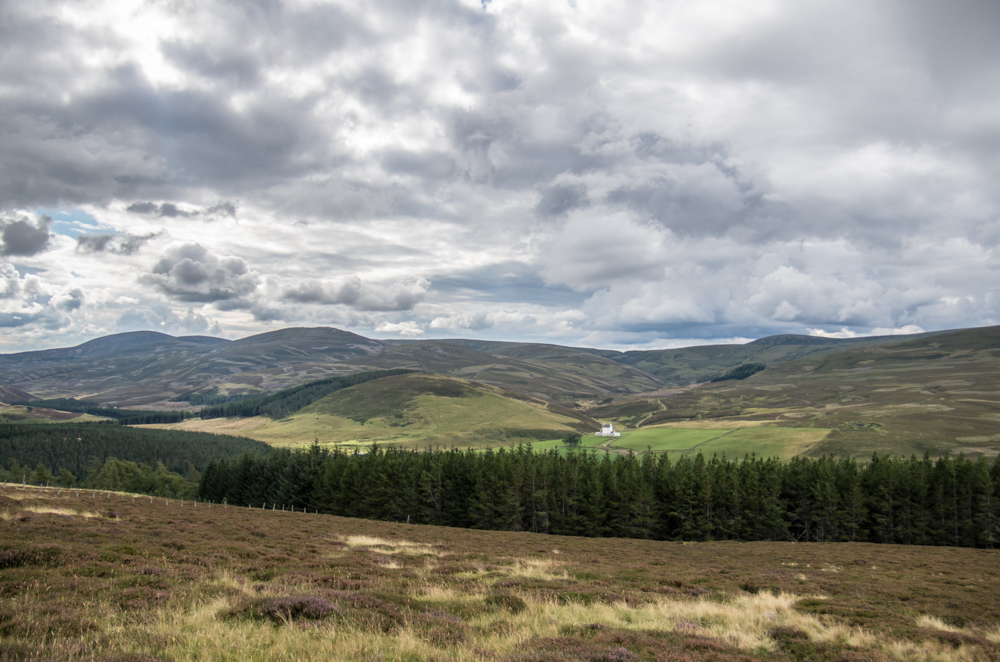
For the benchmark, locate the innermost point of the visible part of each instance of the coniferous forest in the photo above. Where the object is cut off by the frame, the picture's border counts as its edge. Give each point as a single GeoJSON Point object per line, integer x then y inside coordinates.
{"type": "Point", "coordinates": [113, 457]}
{"type": "Point", "coordinates": [921, 501]}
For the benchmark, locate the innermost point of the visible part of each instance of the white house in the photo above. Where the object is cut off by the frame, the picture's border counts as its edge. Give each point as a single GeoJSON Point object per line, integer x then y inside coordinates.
{"type": "Point", "coordinates": [608, 430]}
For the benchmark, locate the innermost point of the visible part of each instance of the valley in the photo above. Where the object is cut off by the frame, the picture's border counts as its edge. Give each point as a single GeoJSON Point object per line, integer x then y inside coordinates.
{"type": "Point", "coordinates": [928, 393]}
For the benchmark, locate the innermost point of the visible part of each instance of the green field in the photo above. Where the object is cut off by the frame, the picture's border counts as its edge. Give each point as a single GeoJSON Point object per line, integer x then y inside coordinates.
{"type": "Point", "coordinates": [664, 439]}
{"type": "Point", "coordinates": [762, 441]}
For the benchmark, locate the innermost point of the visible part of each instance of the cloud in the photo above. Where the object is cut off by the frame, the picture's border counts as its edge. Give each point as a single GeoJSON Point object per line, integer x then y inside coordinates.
{"type": "Point", "coordinates": [27, 301]}
{"type": "Point", "coordinates": [172, 210]}
{"type": "Point", "coordinates": [585, 171]}
{"type": "Point", "coordinates": [562, 198]}
{"type": "Point", "coordinates": [357, 294]}
{"type": "Point", "coordinates": [400, 328]}
{"type": "Point", "coordinates": [24, 238]}
{"type": "Point", "coordinates": [192, 273]}
{"type": "Point", "coordinates": [121, 243]}
{"type": "Point", "coordinates": [69, 301]}
{"type": "Point", "coordinates": [10, 281]}
{"type": "Point", "coordinates": [162, 318]}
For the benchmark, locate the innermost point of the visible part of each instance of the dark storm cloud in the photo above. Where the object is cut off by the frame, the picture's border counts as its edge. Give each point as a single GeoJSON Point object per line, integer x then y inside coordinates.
{"type": "Point", "coordinates": [24, 238]}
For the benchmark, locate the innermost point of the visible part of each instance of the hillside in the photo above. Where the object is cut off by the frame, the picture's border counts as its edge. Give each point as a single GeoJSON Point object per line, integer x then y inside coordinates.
{"type": "Point", "coordinates": [134, 370]}
{"type": "Point", "coordinates": [550, 372]}
{"type": "Point", "coordinates": [8, 395]}
{"type": "Point", "coordinates": [937, 394]}
{"type": "Point", "coordinates": [414, 410]}
{"type": "Point", "coordinates": [684, 366]}
{"type": "Point", "coordinates": [151, 369]}
{"type": "Point", "coordinates": [154, 579]}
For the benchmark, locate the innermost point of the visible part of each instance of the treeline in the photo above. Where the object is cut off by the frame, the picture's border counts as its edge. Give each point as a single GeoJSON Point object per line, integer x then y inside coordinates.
{"type": "Point", "coordinates": [74, 447]}
{"type": "Point", "coordinates": [289, 401]}
{"type": "Point", "coordinates": [121, 416]}
{"type": "Point", "coordinates": [112, 474]}
{"type": "Point", "coordinates": [213, 398]}
{"type": "Point", "coordinates": [944, 501]}
{"type": "Point", "coordinates": [741, 371]}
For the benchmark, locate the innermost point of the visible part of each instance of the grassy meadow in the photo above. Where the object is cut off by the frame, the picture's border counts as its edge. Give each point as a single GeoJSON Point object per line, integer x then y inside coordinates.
{"type": "Point", "coordinates": [105, 576]}
{"type": "Point", "coordinates": [712, 439]}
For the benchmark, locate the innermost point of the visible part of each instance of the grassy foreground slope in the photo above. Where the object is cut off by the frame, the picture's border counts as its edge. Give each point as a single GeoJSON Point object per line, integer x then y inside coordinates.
{"type": "Point", "coordinates": [155, 580]}
{"type": "Point", "coordinates": [413, 410]}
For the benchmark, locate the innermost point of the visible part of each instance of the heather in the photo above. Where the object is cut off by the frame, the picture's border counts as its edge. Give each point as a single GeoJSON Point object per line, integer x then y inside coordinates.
{"type": "Point", "coordinates": [105, 576]}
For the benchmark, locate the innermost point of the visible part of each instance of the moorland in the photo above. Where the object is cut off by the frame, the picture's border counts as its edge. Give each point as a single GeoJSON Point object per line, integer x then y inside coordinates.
{"type": "Point", "coordinates": [107, 576]}
{"type": "Point", "coordinates": [701, 518]}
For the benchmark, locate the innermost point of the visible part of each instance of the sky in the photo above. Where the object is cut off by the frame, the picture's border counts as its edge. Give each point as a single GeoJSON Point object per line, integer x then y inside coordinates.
{"type": "Point", "coordinates": [635, 175]}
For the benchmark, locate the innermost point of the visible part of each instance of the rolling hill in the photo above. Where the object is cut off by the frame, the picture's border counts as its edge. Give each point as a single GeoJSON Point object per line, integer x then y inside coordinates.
{"type": "Point", "coordinates": [415, 410]}
{"type": "Point", "coordinates": [151, 369]}
{"type": "Point", "coordinates": [934, 392]}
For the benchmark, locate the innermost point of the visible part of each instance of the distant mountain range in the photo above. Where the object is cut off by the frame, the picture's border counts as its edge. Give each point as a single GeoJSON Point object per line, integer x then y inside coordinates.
{"type": "Point", "coordinates": [151, 369]}
{"type": "Point", "coordinates": [932, 392]}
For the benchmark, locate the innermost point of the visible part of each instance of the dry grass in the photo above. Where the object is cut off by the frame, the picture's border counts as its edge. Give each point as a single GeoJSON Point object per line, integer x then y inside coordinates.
{"type": "Point", "coordinates": [383, 546]}
{"type": "Point", "coordinates": [65, 512]}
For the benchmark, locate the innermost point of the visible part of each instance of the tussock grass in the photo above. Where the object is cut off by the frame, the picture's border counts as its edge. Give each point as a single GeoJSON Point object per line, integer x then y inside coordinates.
{"type": "Point", "coordinates": [383, 546]}
{"type": "Point", "coordinates": [66, 512]}
{"type": "Point", "coordinates": [935, 623]}
{"type": "Point", "coordinates": [745, 623]}
{"type": "Point", "coordinates": [540, 569]}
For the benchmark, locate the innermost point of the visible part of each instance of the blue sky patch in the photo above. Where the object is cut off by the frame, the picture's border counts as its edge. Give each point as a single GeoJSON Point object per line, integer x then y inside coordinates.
{"type": "Point", "coordinates": [70, 222]}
